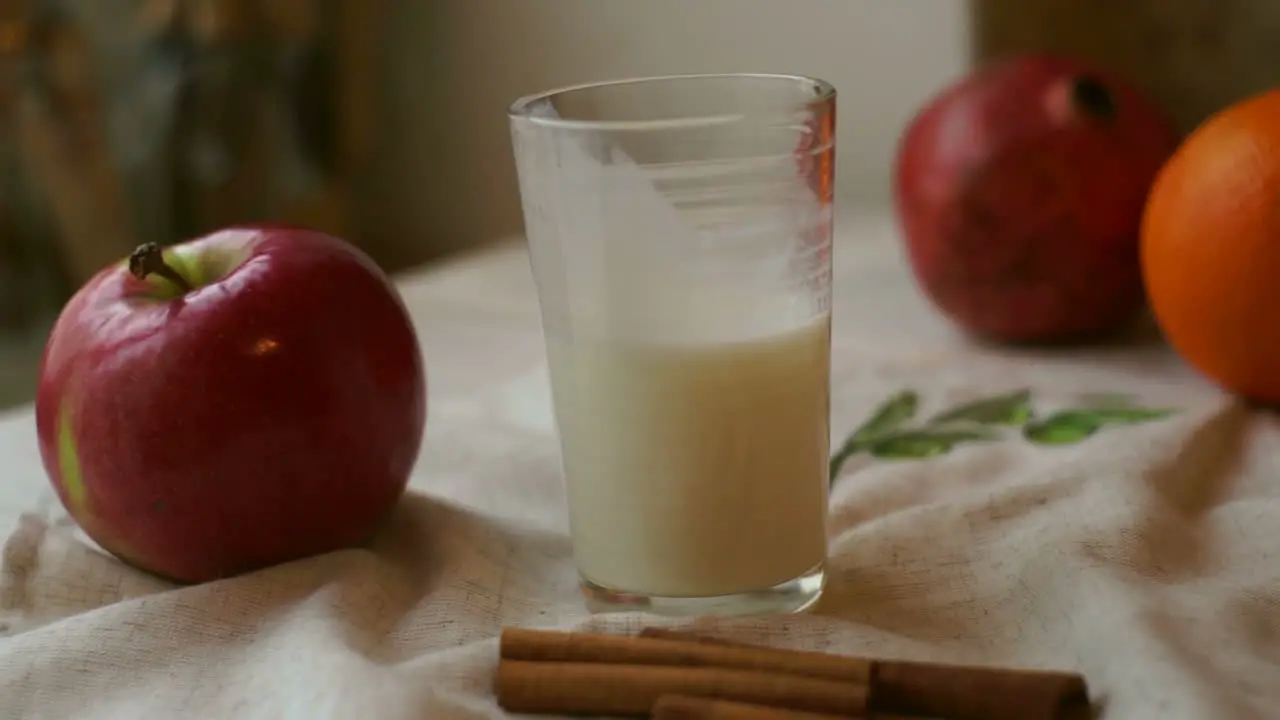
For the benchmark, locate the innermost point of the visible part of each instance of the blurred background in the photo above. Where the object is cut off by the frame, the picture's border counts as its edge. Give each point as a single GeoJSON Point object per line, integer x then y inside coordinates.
{"type": "Point", "coordinates": [124, 121]}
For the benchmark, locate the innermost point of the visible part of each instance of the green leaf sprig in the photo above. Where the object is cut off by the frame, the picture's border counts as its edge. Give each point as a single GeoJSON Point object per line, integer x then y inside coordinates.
{"type": "Point", "coordinates": [886, 434]}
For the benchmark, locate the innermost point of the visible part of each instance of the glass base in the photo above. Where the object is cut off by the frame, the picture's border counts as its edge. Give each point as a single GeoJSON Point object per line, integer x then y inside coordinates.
{"type": "Point", "coordinates": [792, 596]}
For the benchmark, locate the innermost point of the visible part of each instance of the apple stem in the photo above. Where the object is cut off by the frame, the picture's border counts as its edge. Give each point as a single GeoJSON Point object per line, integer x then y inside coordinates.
{"type": "Point", "coordinates": [148, 258]}
{"type": "Point", "coordinates": [1093, 97]}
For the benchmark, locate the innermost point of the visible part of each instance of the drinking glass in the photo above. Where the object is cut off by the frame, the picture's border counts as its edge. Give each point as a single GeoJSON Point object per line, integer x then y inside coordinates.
{"type": "Point", "coordinates": [679, 231]}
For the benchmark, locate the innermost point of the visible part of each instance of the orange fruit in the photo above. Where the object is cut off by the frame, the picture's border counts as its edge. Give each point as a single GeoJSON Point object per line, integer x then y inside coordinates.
{"type": "Point", "coordinates": [1210, 248]}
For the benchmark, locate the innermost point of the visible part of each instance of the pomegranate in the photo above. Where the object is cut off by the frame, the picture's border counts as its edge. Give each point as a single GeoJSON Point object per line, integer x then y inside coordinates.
{"type": "Point", "coordinates": [1019, 191]}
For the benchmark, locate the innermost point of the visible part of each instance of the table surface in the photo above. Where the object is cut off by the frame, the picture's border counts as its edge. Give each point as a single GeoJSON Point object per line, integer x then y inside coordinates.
{"type": "Point", "coordinates": [1141, 556]}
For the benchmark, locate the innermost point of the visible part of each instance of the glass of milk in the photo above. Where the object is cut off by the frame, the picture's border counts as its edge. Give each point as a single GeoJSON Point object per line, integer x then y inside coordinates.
{"type": "Point", "coordinates": [679, 231]}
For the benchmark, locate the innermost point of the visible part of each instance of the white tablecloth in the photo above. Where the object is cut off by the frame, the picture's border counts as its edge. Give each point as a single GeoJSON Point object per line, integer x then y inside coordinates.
{"type": "Point", "coordinates": [1144, 556]}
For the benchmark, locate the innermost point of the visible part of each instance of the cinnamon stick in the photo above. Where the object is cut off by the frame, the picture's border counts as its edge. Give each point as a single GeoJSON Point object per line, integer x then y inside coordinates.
{"type": "Point", "coordinates": [572, 688]}
{"type": "Point", "coordinates": [687, 707]}
{"type": "Point", "coordinates": [953, 691]}
{"type": "Point", "coordinates": [552, 646]}
{"type": "Point", "coordinates": [659, 633]}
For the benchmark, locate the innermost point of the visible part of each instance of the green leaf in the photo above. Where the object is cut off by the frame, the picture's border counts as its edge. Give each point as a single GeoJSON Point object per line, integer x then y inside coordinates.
{"type": "Point", "coordinates": [1062, 428]}
{"type": "Point", "coordinates": [1010, 409]}
{"type": "Point", "coordinates": [924, 443]}
{"type": "Point", "coordinates": [889, 416]}
{"type": "Point", "coordinates": [1073, 425]}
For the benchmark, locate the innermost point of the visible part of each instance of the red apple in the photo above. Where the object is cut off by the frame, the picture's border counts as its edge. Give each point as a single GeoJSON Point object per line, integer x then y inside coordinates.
{"type": "Point", "coordinates": [246, 398]}
{"type": "Point", "coordinates": [1020, 188]}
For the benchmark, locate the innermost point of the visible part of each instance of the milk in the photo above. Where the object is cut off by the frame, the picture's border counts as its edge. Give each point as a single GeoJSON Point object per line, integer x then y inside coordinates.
{"type": "Point", "coordinates": [696, 465]}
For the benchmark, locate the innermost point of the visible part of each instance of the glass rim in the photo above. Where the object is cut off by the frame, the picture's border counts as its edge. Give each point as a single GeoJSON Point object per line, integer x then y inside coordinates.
{"type": "Point", "coordinates": [519, 109]}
